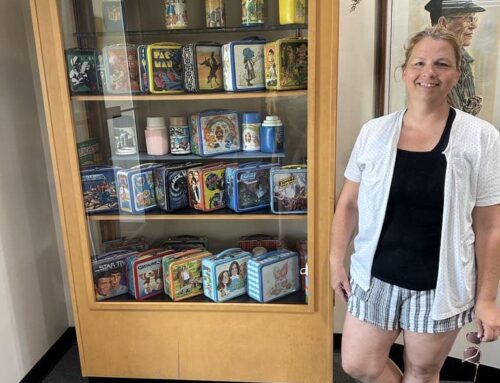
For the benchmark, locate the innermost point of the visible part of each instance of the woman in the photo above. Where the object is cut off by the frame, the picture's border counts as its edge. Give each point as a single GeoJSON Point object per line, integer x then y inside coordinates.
{"type": "Point", "coordinates": [422, 189]}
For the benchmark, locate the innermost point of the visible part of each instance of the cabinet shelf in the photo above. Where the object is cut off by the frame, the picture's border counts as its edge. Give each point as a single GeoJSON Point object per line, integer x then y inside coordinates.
{"type": "Point", "coordinates": [189, 214]}
{"type": "Point", "coordinates": [189, 96]}
{"type": "Point", "coordinates": [188, 31]}
{"type": "Point", "coordinates": [295, 302]}
{"type": "Point", "coordinates": [183, 157]}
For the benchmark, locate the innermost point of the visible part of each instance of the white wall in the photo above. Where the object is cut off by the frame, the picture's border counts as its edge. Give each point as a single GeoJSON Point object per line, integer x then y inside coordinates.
{"type": "Point", "coordinates": [356, 87]}
{"type": "Point", "coordinates": [33, 300]}
{"type": "Point", "coordinates": [355, 106]}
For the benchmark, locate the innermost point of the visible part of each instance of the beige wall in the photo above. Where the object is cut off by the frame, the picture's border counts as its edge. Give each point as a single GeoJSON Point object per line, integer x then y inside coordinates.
{"type": "Point", "coordinates": [33, 302]}
{"type": "Point", "coordinates": [356, 88]}
{"type": "Point", "coordinates": [355, 106]}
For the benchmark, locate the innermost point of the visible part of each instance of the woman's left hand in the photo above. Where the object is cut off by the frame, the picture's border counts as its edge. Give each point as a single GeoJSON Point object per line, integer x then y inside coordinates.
{"type": "Point", "coordinates": [487, 321]}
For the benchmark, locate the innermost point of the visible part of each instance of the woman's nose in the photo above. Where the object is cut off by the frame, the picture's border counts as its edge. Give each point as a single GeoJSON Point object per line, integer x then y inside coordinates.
{"type": "Point", "coordinates": [430, 70]}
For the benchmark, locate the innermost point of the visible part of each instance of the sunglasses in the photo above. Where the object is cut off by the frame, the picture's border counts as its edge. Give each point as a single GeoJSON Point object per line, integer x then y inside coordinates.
{"type": "Point", "coordinates": [472, 354]}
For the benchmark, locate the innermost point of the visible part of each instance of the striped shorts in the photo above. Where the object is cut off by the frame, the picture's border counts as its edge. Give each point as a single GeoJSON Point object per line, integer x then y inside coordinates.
{"type": "Point", "coordinates": [391, 307]}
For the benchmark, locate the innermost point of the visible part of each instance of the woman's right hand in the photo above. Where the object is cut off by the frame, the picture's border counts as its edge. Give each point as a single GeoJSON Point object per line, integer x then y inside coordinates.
{"type": "Point", "coordinates": [340, 282]}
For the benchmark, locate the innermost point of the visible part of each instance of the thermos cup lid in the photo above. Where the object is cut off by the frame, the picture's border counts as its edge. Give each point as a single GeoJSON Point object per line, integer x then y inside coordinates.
{"type": "Point", "coordinates": [272, 120]}
{"type": "Point", "coordinates": [155, 123]}
{"type": "Point", "coordinates": [251, 118]}
{"type": "Point", "coordinates": [178, 121]}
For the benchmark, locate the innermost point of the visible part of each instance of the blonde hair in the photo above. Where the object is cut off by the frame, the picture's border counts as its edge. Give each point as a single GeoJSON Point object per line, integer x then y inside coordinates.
{"type": "Point", "coordinates": [435, 33]}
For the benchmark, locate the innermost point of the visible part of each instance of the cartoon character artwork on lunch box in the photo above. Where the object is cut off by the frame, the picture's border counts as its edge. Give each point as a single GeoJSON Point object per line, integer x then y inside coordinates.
{"type": "Point", "coordinates": [123, 190]}
{"type": "Point", "coordinates": [194, 187]}
{"type": "Point", "coordinates": [281, 282]}
{"type": "Point", "coordinates": [151, 281]}
{"type": "Point", "coordinates": [143, 184]}
{"type": "Point", "coordinates": [221, 132]}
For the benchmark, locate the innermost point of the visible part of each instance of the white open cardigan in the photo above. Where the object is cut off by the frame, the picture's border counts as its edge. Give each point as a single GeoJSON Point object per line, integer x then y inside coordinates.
{"type": "Point", "coordinates": [472, 179]}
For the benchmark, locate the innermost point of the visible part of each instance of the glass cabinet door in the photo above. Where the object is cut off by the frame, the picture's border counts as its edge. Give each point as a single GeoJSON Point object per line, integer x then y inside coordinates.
{"type": "Point", "coordinates": [191, 129]}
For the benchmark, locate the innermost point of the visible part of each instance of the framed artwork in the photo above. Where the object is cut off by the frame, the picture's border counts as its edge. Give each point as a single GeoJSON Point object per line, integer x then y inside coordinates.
{"type": "Point", "coordinates": [476, 23]}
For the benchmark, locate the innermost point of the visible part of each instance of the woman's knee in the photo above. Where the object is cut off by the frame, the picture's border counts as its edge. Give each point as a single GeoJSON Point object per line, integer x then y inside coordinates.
{"type": "Point", "coordinates": [422, 372]}
{"type": "Point", "coordinates": [362, 369]}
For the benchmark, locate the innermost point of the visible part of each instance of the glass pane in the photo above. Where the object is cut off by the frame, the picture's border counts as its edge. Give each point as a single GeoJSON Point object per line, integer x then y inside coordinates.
{"type": "Point", "coordinates": [191, 131]}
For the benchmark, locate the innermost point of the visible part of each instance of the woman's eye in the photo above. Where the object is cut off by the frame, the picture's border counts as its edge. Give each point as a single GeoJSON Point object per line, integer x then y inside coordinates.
{"type": "Point", "coordinates": [419, 63]}
{"type": "Point", "coordinates": [444, 65]}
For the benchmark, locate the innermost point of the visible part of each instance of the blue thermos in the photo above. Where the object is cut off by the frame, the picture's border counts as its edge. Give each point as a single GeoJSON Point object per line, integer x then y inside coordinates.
{"type": "Point", "coordinates": [272, 135]}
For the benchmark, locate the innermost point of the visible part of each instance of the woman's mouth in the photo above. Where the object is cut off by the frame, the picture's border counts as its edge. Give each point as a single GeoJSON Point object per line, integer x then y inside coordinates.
{"type": "Point", "coordinates": [427, 84]}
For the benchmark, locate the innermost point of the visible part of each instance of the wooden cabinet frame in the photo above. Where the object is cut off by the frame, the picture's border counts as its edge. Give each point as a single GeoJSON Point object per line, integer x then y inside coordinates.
{"type": "Point", "coordinates": [195, 341]}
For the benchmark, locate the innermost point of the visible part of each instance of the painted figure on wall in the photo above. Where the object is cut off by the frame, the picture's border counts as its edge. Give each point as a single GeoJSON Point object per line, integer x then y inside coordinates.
{"type": "Point", "coordinates": [459, 17]}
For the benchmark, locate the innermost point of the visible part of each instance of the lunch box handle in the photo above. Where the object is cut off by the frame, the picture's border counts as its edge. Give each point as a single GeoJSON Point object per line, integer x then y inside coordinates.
{"type": "Point", "coordinates": [295, 166]}
{"type": "Point", "coordinates": [229, 253]}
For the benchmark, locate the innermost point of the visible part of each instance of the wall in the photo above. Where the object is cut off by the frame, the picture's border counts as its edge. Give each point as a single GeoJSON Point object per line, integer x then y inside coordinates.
{"type": "Point", "coordinates": [356, 88]}
{"type": "Point", "coordinates": [33, 304]}
{"type": "Point", "coordinates": [355, 106]}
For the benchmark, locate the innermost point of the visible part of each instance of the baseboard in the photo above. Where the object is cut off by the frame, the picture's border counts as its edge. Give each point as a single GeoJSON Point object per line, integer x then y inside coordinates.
{"type": "Point", "coordinates": [51, 357]}
{"type": "Point", "coordinates": [453, 368]}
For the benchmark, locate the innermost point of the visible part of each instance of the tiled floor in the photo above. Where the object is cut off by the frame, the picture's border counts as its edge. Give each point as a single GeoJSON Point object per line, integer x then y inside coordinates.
{"type": "Point", "coordinates": [68, 371]}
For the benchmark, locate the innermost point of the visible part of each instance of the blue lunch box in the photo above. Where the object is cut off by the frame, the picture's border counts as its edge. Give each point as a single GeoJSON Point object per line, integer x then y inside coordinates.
{"type": "Point", "coordinates": [224, 274]}
{"type": "Point", "coordinates": [136, 189]}
{"type": "Point", "coordinates": [273, 275]}
{"type": "Point", "coordinates": [99, 189]}
{"type": "Point", "coordinates": [215, 132]}
{"type": "Point", "coordinates": [247, 186]}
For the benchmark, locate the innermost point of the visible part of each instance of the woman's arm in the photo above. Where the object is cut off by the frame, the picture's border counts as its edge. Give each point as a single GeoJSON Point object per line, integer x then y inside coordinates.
{"type": "Point", "coordinates": [345, 222]}
{"type": "Point", "coordinates": [486, 222]}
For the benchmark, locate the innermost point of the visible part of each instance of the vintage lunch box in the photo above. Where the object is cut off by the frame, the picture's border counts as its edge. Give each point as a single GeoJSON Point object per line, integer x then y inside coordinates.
{"type": "Point", "coordinates": [247, 186]}
{"type": "Point", "coordinates": [289, 189]}
{"type": "Point", "coordinates": [186, 242]}
{"type": "Point", "coordinates": [215, 132]}
{"type": "Point", "coordinates": [99, 189]}
{"type": "Point", "coordinates": [110, 274]}
{"type": "Point", "coordinates": [145, 273]}
{"type": "Point", "coordinates": [225, 275]}
{"type": "Point", "coordinates": [286, 64]}
{"type": "Point", "coordinates": [171, 189]}
{"type": "Point", "coordinates": [182, 273]}
{"type": "Point", "coordinates": [136, 189]}
{"type": "Point", "coordinates": [121, 67]}
{"type": "Point", "coordinates": [268, 242]}
{"type": "Point", "coordinates": [82, 70]}
{"type": "Point", "coordinates": [292, 11]}
{"type": "Point", "coordinates": [165, 68]}
{"type": "Point", "coordinates": [302, 250]}
{"type": "Point", "coordinates": [142, 56]}
{"type": "Point", "coordinates": [89, 152]}
{"type": "Point", "coordinates": [202, 63]}
{"type": "Point", "coordinates": [243, 65]}
{"type": "Point", "coordinates": [273, 275]}
{"type": "Point", "coordinates": [206, 186]}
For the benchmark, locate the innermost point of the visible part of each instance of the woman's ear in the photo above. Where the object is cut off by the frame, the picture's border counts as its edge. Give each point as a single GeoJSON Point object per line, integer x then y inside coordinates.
{"type": "Point", "coordinates": [442, 22]}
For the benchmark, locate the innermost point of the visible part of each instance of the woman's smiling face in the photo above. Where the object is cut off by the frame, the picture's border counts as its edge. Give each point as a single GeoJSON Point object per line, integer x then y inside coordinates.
{"type": "Point", "coordinates": [431, 70]}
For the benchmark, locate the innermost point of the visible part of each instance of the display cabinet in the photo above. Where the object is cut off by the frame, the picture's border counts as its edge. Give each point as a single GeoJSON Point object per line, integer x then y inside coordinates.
{"type": "Point", "coordinates": [91, 123]}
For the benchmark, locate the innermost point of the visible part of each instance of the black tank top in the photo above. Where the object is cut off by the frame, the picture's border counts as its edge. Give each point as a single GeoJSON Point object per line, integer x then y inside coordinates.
{"type": "Point", "coordinates": [407, 254]}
